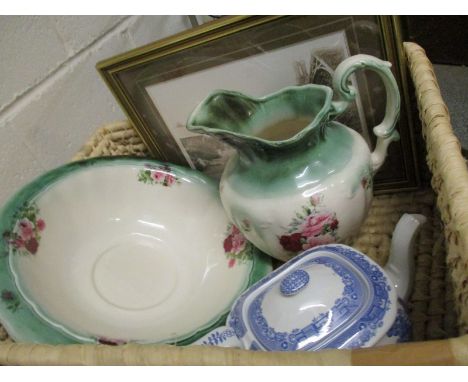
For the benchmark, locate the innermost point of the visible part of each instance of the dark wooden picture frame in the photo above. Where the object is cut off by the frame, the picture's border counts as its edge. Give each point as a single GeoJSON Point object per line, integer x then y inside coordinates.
{"type": "Point", "coordinates": [234, 39]}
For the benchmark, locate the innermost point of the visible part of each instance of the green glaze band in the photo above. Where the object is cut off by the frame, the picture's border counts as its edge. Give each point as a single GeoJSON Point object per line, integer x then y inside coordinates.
{"type": "Point", "coordinates": [290, 170]}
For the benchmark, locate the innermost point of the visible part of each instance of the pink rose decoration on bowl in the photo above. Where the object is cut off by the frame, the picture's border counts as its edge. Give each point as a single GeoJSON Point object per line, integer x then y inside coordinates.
{"type": "Point", "coordinates": [31, 246]}
{"type": "Point", "coordinates": [40, 224]}
{"type": "Point", "coordinates": [236, 246]}
{"type": "Point", "coordinates": [231, 262]}
{"type": "Point", "coordinates": [169, 180]}
{"type": "Point", "coordinates": [26, 234]}
{"type": "Point", "coordinates": [25, 229]}
{"type": "Point", "coordinates": [160, 174]}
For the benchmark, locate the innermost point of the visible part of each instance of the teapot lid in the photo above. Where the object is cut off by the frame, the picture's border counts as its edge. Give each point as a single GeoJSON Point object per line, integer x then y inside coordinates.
{"type": "Point", "coordinates": [331, 296]}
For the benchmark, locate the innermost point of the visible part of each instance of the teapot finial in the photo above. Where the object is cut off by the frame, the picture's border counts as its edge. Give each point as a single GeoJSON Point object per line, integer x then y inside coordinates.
{"type": "Point", "coordinates": [400, 264]}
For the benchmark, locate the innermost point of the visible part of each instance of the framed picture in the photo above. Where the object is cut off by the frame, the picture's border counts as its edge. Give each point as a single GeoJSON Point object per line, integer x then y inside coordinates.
{"type": "Point", "coordinates": [160, 84]}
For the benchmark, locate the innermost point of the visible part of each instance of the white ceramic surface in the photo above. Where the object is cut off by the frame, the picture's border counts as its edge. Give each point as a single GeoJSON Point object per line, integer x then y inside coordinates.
{"type": "Point", "coordinates": [340, 198]}
{"type": "Point", "coordinates": [131, 251]}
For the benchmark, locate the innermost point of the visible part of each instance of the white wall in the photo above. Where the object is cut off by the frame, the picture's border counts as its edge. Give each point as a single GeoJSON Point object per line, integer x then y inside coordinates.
{"type": "Point", "coordinates": [52, 98]}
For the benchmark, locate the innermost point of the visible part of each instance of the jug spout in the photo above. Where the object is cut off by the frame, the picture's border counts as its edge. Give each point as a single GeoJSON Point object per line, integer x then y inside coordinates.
{"type": "Point", "coordinates": [400, 264]}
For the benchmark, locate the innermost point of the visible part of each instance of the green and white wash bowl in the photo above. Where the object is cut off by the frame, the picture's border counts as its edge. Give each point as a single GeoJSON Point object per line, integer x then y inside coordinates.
{"type": "Point", "coordinates": [120, 250]}
{"type": "Point", "coordinates": [299, 178]}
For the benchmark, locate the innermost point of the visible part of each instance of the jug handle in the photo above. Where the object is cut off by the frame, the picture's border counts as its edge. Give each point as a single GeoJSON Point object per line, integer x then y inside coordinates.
{"type": "Point", "coordinates": [385, 131]}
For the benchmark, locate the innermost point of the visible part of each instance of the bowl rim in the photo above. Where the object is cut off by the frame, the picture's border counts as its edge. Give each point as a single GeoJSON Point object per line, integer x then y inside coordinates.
{"type": "Point", "coordinates": [18, 315]}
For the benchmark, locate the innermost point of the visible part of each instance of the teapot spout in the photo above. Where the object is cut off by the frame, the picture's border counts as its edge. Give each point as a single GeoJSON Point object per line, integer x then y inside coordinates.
{"type": "Point", "coordinates": [400, 264]}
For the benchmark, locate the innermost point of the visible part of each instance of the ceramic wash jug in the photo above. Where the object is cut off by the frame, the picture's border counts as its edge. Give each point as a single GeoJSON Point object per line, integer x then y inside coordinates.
{"type": "Point", "coordinates": [299, 178]}
{"type": "Point", "coordinates": [330, 296]}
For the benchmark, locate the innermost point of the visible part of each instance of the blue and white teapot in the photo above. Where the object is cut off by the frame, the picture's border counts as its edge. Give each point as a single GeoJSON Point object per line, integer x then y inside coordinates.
{"type": "Point", "coordinates": [331, 296]}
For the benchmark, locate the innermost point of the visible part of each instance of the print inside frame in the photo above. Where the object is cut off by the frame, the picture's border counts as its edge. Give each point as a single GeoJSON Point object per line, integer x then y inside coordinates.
{"type": "Point", "coordinates": [248, 76]}
{"type": "Point", "coordinates": [159, 85]}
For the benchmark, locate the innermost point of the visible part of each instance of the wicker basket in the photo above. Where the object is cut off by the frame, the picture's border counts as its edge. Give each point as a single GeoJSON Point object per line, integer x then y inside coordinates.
{"type": "Point", "coordinates": [439, 302]}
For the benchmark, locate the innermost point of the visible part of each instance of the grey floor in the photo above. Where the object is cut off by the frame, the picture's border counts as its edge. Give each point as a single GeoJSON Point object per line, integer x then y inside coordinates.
{"type": "Point", "coordinates": [453, 82]}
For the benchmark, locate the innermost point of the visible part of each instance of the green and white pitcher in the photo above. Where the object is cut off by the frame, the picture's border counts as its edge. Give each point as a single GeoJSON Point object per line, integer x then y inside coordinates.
{"type": "Point", "coordinates": [299, 178]}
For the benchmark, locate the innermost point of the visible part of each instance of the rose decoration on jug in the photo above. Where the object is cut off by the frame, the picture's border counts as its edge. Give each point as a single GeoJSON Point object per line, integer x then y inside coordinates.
{"type": "Point", "coordinates": [315, 227]}
{"type": "Point", "coordinates": [298, 177]}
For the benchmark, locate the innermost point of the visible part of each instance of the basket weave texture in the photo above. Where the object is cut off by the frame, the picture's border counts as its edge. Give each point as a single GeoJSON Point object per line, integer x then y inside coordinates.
{"type": "Point", "coordinates": [438, 306]}
{"type": "Point", "coordinates": [449, 173]}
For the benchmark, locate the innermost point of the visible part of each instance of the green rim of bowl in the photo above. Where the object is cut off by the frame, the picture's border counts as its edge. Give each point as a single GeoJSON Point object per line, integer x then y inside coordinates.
{"type": "Point", "coordinates": [18, 317]}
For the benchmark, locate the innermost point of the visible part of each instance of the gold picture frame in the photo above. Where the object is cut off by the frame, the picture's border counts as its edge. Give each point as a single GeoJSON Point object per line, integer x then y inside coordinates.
{"type": "Point", "coordinates": [156, 85]}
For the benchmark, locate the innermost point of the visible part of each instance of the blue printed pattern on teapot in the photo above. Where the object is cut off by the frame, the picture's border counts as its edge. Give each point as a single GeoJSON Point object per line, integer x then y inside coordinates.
{"type": "Point", "coordinates": [401, 328]}
{"type": "Point", "coordinates": [352, 321]}
{"type": "Point", "coordinates": [218, 337]}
